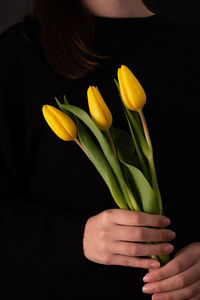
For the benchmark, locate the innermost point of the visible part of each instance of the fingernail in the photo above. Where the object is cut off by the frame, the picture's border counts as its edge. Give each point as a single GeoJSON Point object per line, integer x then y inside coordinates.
{"type": "Point", "coordinates": [166, 221]}
{"type": "Point", "coordinates": [147, 278]}
{"type": "Point", "coordinates": [168, 248]}
{"type": "Point", "coordinates": [171, 235]}
{"type": "Point", "coordinates": [155, 264]}
{"type": "Point", "coordinates": [147, 289]}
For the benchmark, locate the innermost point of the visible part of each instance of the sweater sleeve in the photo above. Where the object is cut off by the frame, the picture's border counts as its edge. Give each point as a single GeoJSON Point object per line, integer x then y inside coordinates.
{"type": "Point", "coordinates": [34, 236]}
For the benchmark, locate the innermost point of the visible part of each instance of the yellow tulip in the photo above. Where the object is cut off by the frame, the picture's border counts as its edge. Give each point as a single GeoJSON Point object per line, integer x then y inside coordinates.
{"type": "Point", "coordinates": [99, 111]}
{"type": "Point", "coordinates": [133, 94]}
{"type": "Point", "coordinates": [61, 124]}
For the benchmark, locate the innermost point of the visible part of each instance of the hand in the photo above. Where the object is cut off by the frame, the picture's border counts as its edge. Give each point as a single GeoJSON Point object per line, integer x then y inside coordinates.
{"type": "Point", "coordinates": [112, 238]}
{"type": "Point", "coordinates": [179, 279]}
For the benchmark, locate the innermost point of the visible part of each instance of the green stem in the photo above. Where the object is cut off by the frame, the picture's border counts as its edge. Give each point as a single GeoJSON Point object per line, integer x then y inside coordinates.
{"type": "Point", "coordinates": [110, 140]}
{"type": "Point", "coordinates": [82, 148]}
{"type": "Point", "coordinates": [110, 181]}
{"type": "Point", "coordinates": [142, 162]}
{"type": "Point", "coordinates": [106, 148]}
{"type": "Point", "coordinates": [128, 195]}
{"type": "Point", "coordinates": [155, 184]}
{"type": "Point", "coordinates": [131, 200]}
{"type": "Point", "coordinates": [151, 161]}
{"type": "Point", "coordinates": [163, 259]}
{"type": "Point", "coordinates": [146, 131]}
{"type": "Point", "coordinates": [143, 165]}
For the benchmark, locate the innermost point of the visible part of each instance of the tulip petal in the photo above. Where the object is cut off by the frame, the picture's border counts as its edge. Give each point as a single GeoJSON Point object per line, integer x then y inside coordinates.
{"type": "Point", "coordinates": [135, 91]}
{"type": "Point", "coordinates": [104, 107]}
{"type": "Point", "coordinates": [132, 92]}
{"type": "Point", "coordinates": [99, 111]}
{"type": "Point", "coordinates": [60, 123]}
{"type": "Point", "coordinates": [123, 92]}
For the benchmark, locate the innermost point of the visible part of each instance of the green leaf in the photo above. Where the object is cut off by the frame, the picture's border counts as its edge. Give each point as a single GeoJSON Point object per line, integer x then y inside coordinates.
{"type": "Point", "coordinates": [101, 164]}
{"type": "Point", "coordinates": [140, 186]}
{"type": "Point", "coordinates": [97, 158]}
{"type": "Point", "coordinates": [122, 137]}
{"type": "Point", "coordinates": [138, 119]}
{"type": "Point", "coordinates": [125, 147]}
{"type": "Point", "coordinates": [65, 110]}
{"type": "Point", "coordinates": [59, 104]}
{"type": "Point", "coordinates": [107, 150]}
{"type": "Point", "coordinates": [139, 134]}
{"type": "Point", "coordinates": [65, 99]}
{"type": "Point", "coordinates": [136, 127]}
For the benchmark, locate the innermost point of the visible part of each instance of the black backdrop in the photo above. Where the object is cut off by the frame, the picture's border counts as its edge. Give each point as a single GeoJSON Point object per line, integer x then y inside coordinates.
{"type": "Point", "coordinates": [12, 11]}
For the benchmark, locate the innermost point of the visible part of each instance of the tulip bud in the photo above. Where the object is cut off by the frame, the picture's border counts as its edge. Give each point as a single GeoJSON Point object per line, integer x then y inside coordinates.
{"type": "Point", "coordinates": [99, 111]}
{"type": "Point", "coordinates": [61, 124]}
{"type": "Point", "coordinates": [132, 93]}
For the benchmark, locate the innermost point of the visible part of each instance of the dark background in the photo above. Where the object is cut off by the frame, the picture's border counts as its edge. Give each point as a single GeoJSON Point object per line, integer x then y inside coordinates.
{"type": "Point", "coordinates": [12, 11]}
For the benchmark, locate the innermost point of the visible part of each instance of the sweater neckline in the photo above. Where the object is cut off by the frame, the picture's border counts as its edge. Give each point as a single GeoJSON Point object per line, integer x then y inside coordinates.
{"type": "Point", "coordinates": [114, 20]}
{"type": "Point", "coordinates": [118, 27]}
{"type": "Point", "coordinates": [113, 33]}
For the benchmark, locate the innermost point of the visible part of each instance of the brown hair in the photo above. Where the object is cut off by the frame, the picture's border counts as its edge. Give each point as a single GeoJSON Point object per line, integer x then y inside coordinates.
{"type": "Point", "coordinates": [67, 33]}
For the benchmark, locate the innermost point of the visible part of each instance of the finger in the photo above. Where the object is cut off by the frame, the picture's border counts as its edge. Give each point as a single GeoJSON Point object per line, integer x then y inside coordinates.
{"type": "Point", "coordinates": [195, 297]}
{"type": "Point", "coordinates": [129, 261]}
{"type": "Point", "coordinates": [186, 293]}
{"type": "Point", "coordinates": [143, 234]}
{"type": "Point", "coordinates": [137, 249]}
{"type": "Point", "coordinates": [195, 249]}
{"type": "Point", "coordinates": [132, 218]}
{"type": "Point", "coordinates": [173, 267]}
{"type": "Point", "coordinates": [176, 282]}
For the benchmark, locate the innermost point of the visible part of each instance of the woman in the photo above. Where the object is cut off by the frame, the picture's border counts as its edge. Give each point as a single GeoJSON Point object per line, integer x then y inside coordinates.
{"type": "Point", "coordinates": [61, 233]}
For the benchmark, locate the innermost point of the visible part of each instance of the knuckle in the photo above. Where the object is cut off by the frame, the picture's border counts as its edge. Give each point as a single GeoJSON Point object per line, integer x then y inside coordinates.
{"type": "Point", "coordinates": [189, 292]}
{"type": "Point", "coordinates": [103, 233]}
{"type": "Point", "coordinates": [155, 249]}
{"type": "Point", "coordinates": [158, 276]}
{"type": "Point", "coordinates": [137, 218]}
{"type": "Point", "coordinates": [158, 288]}
{"type": "Point", "coordinates": [110, 260]}
{"type": "Point", "coordinates": [127, 250]}
{"type": "Point", "coordinates": [161, 249]}
{"type": "Point", "coordinates": [181, 281]}
{"type": "Point", "coordinates": [107, 258]}
{"type": "Point", "coordinates": [177, 266]}
{"type": "Point", "coordinates": [144, 263]}
{"type": "Point", "coordinates": [140, 234]}
{"type": "Point", "coordinates": [136, 262]}
{"type": "Point", "coordinates": [107, 215]}
{"type": "Point", "coordinates": [134, 250]}
{"type": "Point", "coordinates": [103, 247]}
{"type": "Point", "coordinates": [159, 220]}
{"type": "Point", "coordinates": [165, 235]}
{"type": "Point", "coordinates": [197, 248]}
{"type": "Point", "coordinates": [132, 262]}
{"type": "Point", "coordinates": [128, 262]}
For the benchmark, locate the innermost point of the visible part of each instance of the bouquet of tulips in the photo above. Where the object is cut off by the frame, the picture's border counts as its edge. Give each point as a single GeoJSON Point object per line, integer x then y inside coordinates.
{"type": "Point", "coordinates": [124, 160]}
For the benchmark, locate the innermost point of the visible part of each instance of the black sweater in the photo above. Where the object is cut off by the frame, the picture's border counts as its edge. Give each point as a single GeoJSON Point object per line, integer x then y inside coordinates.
{"type": "Point", "coordinates": [49, 188]}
